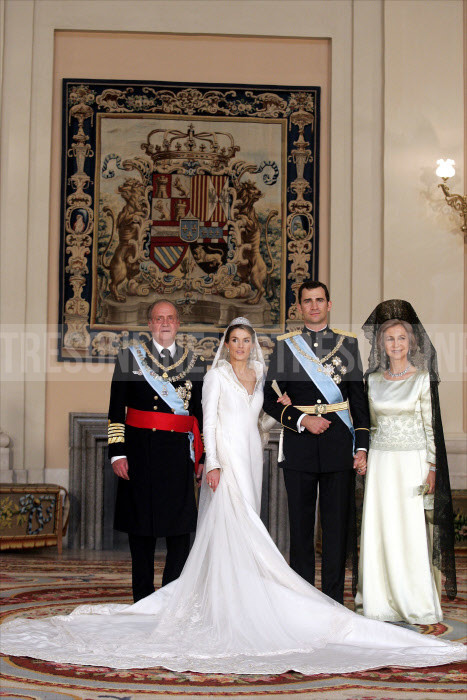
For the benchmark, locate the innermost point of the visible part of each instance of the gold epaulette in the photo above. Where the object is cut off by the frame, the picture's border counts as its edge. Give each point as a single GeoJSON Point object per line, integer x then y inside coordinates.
{"type": "Point", "coordinates": [339, 332]}
{"type": "Point", "coordinates": [116, 433]}
{"type": "Point", "coordinates": [284, 336]}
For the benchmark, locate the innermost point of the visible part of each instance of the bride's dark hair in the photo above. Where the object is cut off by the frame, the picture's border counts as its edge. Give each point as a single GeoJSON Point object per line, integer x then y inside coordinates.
{"type": "Point", "coordinates": [239, 326]}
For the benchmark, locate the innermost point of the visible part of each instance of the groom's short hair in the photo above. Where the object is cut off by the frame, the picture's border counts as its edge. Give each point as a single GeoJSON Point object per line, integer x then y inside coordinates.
{"type": "Point", "coordinates": [312, 284]}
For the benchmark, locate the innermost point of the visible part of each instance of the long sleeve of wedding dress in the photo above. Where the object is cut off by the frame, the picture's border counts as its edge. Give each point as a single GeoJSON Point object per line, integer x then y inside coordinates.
{"type": "Point", "coordinates": [237, 606]}
{"type": "Point", "coordinates": [211, 393]}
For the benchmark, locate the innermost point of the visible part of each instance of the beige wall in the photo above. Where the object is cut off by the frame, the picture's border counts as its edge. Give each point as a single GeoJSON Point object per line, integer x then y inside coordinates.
{"type": "Point", "coordinates": [423, 247]}
{"type": "Point", "coordinates": [395, 107]}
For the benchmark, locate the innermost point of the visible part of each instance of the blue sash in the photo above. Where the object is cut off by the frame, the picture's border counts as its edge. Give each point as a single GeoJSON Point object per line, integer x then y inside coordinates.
{"type": "Point", "coordinates": [322, 381]}
{"type": "Point", "coordinates": [172, 398]}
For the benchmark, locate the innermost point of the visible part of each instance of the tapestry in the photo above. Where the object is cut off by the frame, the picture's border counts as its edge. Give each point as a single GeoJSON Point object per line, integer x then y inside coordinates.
{"type": "Point", "coordinates": [202, 195]}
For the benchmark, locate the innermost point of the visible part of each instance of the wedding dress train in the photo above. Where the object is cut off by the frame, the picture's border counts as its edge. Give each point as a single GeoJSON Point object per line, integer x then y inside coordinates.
{"type": "Point", "coordinates": [237, 607]}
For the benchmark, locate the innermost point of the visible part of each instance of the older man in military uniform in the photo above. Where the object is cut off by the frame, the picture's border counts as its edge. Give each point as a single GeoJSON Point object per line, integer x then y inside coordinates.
{"type": "Point", "coordinates": [320, 369]}
{"type": "Point", "coordinates": [154, 437]}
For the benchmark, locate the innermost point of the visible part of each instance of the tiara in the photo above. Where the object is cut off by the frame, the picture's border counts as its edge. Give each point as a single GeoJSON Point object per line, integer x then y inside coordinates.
{"type": "Point", "coordinates": [240, 320]}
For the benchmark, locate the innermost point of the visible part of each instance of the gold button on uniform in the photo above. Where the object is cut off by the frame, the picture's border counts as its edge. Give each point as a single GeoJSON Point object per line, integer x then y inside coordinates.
{"type": "Point", "coordinates": [156, 397]}
{"type": "Point", "coordinates": [154, 430]}
{"type": "Point", "coordinates": [315, 345]}
{"type": "Point", "coordinates": [155, 408]}
{"type": "Point", "coordinates": [318, 401]}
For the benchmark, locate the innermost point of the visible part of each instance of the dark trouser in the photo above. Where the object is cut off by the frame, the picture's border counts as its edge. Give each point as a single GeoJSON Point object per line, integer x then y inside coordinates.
{"type": "Point", "coordinates": [142, 548]}
{"type": "Point", "coordinates": [335, 494]}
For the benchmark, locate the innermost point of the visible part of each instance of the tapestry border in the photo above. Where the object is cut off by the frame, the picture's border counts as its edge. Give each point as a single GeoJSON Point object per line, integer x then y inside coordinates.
{"type": "Point", "coordinates": [78, 339]}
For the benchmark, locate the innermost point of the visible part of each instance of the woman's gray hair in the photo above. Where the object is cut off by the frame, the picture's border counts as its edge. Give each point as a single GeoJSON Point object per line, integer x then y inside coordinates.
{"type": "Point", "coordinates": [390, 324]}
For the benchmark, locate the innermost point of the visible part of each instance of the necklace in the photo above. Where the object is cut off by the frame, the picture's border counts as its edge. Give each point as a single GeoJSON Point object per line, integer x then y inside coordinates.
{"type": "Point", "coordinates": [165, 377]}
{"type": "Point", "coordinates": [315, 359]}
{"type": "Point", "coordinates": [398, 374]}
{"type": "Point", "coordinates": [160, 365]}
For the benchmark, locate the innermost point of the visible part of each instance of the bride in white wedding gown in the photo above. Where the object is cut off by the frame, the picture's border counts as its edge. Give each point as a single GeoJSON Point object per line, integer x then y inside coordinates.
{"type": "Point", "coordinates": [237, 606]}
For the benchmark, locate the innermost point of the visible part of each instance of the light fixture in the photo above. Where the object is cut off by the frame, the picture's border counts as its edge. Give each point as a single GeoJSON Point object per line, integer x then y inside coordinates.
{"type": "Point", "coordinates": [445, 170]}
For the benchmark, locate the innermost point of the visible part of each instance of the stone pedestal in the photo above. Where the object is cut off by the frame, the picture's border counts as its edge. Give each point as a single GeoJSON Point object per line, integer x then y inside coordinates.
{"type": "Point", "coordinates": [6, 472]}
{"type": "Point", "coordinates": [456, 448]}
{"type": "Point", "coordinates": [10, 475]}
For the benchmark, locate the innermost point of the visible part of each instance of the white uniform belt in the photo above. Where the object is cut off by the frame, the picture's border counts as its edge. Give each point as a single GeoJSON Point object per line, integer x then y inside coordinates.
{"type": "Point", "coordinates": [320, 408]}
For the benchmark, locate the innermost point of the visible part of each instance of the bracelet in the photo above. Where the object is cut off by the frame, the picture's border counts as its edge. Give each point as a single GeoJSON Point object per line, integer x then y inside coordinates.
{"type": "Point", "coordinates": [432, 468]}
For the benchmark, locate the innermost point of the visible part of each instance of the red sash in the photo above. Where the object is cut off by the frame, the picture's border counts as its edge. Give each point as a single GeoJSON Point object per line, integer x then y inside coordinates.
{"type": "Point", "coordinates": [168, 421]}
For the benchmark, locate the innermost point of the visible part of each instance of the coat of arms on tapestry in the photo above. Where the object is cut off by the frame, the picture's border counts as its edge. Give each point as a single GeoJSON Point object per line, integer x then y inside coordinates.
{"type": "Point", "coordinates": [203, 195]}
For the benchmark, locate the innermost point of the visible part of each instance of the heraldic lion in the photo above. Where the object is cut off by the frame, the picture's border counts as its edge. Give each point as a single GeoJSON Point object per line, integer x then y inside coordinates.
{"type": "Point", "coordinates": [130, 223]}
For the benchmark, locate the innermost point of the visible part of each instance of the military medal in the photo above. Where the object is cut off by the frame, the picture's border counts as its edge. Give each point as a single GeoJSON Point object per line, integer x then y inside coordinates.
{"type": "Point", "coordinates": [334, 369]}
{"type": "Point", "coordinates": [184, 392]}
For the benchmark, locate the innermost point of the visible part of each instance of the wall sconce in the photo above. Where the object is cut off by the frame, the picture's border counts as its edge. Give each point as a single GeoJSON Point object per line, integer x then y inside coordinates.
{"type": "Point", "coordinates": [445, 170]}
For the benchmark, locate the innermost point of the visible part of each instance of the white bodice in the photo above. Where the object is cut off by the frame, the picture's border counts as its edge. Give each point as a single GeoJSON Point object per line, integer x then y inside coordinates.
{"type": "Point", "coordinates": [400, 413]}
{"type": "Point", "coordinates": [232, 425]}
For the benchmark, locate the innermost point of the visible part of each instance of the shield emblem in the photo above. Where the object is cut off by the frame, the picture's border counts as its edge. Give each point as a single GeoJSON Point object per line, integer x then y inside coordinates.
{"type": "Point", "coordinates": [166, 255]}
{"type": "Point", "coordinates": [210, 256]}
{"type": "Point", "coordinates": [189, 211]}
{"type": "Point", "coordinates": [189, 230]}
{"type": "Point", "coordinates": [210, 199]}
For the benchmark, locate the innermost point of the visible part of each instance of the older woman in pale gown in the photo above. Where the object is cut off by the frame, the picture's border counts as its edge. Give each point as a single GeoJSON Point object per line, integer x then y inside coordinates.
{"type": "Point", "coordinates": [397, 578]}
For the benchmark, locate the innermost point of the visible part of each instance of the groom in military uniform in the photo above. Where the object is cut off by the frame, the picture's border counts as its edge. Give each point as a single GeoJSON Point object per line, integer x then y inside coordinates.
{"type": "Point", "coordinates": [154, 442]}
{"type": "Point", "coordinates": [320, 369]}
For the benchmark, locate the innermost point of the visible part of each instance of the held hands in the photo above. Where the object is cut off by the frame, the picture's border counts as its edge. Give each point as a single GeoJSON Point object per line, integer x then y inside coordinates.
{"type": "Point", "coordinates": [359, 462]}
{"type": "Point", "coordinates": [213, 478]}
{"type": "Point", "coordinates": [199, 474]}
{"type": "Point", "coordinates": [120, 467]}
{"type": "Point", "coordinates": [430, 480]}
{"type": "Point", "coordinates": [315, 424]}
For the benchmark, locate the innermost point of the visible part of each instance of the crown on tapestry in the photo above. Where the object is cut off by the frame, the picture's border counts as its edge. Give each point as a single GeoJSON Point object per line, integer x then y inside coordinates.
{"type": "Point", "coordinates": [210, 150]}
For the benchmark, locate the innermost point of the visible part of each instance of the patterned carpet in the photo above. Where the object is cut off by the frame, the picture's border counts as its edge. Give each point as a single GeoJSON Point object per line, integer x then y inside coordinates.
{"type": "Point", "coordinates": [35, 586]}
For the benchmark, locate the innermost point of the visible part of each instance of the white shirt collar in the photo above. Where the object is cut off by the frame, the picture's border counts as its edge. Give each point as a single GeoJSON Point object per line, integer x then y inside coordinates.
{"type": "Point", "coordinates": [319, 329]}
{"type": "Point", "coordinates": [172, 348]}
